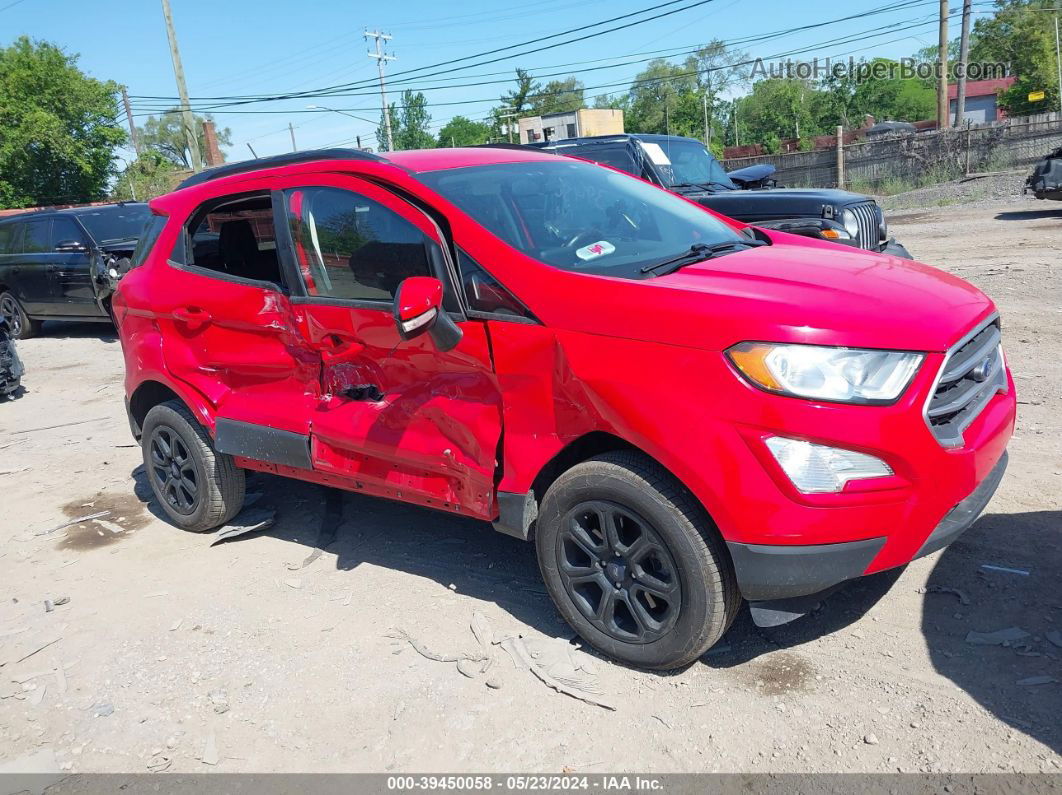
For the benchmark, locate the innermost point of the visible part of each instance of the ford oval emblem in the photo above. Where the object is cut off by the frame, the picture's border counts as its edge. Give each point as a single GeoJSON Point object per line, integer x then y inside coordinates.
{"type": "Point", "coordinates": [982, 371]}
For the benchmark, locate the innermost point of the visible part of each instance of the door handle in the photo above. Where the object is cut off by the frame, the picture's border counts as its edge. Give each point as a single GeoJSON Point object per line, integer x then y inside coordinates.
{"type": "Point", "coordinates": [191, 316]}
{"type": "Point", "coordinates": [336, 344]}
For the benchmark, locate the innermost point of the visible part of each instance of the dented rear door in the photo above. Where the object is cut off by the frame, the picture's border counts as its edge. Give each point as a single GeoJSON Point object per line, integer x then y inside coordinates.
{"type": "Point", "coordinates": [395, 418]}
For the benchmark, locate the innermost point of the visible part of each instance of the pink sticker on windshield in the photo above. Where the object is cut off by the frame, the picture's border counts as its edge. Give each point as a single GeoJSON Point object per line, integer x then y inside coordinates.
{"type": "Point", "coordinates": [595, 250]}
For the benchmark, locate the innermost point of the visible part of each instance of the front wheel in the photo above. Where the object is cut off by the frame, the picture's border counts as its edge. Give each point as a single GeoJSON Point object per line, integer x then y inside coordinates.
{"type": "Point", "coordinates": [198, 487]}
{"type": "Point", "coordinates": [633, 563]}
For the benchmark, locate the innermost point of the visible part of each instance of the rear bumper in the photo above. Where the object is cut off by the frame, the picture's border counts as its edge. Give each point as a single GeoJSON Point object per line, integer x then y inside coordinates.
{"type": "Point", "coordinates": [778, 572]}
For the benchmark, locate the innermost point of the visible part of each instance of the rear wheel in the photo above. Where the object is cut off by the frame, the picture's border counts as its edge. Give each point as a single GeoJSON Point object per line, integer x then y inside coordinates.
{"type": "Point", "coordinates": [198, 488]}
{"type": "Point", "coordinates": [21, 325]}
{"type": "Point", "coordinates": [633, 563]}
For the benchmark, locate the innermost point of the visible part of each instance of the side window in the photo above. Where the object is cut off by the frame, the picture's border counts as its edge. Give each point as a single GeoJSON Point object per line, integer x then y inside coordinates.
{"type": "Point", "coordinates": [9, 243]}
{"type": "Point", "coordinates": [485, 293]}
{"type": "Point", "coordinates": [232, 236]}
{"type": "Point", "coordinates": [152, 229]}
{"type": "Point", "coordinates": [36, 240]}
{"type": "Point", "coordinates": [350, 247]}
{"type": "Point", "coordinates": [64, 230]}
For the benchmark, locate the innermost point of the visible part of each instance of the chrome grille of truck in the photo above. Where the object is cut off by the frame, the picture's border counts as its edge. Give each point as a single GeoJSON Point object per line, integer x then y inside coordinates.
{"type": "Point", "coordinates": [867, 217]}
{"type": "Point", "coordinates": [972, 373]}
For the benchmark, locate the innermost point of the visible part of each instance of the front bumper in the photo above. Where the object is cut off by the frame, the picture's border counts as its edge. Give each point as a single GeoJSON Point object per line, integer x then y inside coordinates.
{"type": "Point", "coordinates": [781, 572]}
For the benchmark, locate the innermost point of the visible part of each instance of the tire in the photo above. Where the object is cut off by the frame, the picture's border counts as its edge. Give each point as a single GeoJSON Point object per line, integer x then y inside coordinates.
{"type": "Point", "coordinates": [671, 542]}
{"type": "Point", "coordinates": [170, 429]}
{"type": "Point", "coordinates": [20, 325]}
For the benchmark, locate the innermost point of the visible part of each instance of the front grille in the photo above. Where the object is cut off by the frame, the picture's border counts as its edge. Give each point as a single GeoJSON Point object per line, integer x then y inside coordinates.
{"type": "Point", "coordinates": [867, 216]}
{"type": "Point", "coordinates": [972, 373]}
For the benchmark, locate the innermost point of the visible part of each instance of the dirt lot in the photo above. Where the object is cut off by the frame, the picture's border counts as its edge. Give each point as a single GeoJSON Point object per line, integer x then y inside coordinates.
{"type": "Point", "coordinates": [265, 654]}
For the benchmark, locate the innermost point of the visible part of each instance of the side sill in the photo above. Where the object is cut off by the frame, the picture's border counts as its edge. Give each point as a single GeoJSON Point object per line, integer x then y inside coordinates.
{"type": "Point", "coordinates": [262, 443]}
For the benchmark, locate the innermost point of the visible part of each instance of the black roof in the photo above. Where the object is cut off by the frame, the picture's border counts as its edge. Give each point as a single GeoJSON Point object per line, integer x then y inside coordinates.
{"type": "Point", "coordinates": [600, 139]}
{"type": "Point", "coordinates": [39, 211]}
{"type": "Point", "coordinates": [290, 158]}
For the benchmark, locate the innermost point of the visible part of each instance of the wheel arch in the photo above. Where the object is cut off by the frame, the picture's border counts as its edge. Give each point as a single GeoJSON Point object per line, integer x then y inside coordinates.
{"type": "Point", "coordinates": [518, 512]}
{"type": "Point", "coordinates": [150, 393]}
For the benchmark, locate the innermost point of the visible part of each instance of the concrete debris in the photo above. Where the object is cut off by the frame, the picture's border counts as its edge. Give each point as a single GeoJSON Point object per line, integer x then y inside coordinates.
{"type": "Point", "coordinates": [565, 676]}
{"type": "Point", "coordinates": [1005, 569]}
{"type": "Point", "coordinates": [102, 710]}
{"type": "Point", "coordinates": [72, 522]}
{"type": "Point", "coordinates": [494, 683]}
{"type": "Point", "coordinates": [870, 739]}
{"type": "Point", "coordinates": [247, 521]}
{"type": "Point", "coordinates": [962, 597]}
{"type": "Point", "coordinates": [62, 600]}
{"type": "Point", "coordinates": [220, 700]}
{"type": "Point", "coordinates": [210, 751]}
{"type": "Point", "coordinates": [998, 638]}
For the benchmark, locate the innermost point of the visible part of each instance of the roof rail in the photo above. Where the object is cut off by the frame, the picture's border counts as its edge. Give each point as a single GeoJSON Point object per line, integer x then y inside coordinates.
{"type": "Point", "coordinates": [276, 161]}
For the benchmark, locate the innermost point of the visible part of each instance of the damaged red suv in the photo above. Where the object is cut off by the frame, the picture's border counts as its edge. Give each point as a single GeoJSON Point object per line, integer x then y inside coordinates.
{"type": "Point", "coordinates": [680, 411]}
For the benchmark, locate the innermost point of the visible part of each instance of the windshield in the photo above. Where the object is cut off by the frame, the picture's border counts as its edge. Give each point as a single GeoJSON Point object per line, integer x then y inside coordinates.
{"type": "Point", "coordinates": [119, 222]}
{"type": "Point", "coordinates": [683, 162]}
{"type": "Point", "coordinates": [578, 216]}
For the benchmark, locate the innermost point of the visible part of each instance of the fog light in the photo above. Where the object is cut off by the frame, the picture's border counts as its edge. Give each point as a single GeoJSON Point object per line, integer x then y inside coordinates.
{"type": "Point", "coordinates": [818, 469]}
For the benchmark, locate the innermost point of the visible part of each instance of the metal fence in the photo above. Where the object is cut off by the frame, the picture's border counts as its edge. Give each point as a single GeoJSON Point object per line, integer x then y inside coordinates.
{"type": "Point", "coordinates": [919, 158]}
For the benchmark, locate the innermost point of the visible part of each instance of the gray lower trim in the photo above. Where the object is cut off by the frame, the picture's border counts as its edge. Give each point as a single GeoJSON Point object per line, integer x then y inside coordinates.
{"type": "Point", "coordinates": [959, 518]}
{"type": "Point", "coordinates": [768, 572]}
{"type": "Point", "coordinates": [516, 513]}
{"type": "Point", "coordinates": [262, 443]}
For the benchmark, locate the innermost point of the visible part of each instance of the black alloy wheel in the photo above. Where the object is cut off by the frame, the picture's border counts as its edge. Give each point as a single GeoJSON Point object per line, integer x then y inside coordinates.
{"type": "Point", "coordinates": [10, 312]}
{"type": "Point", "coordinates": [173, 470]}
{"type": "Point", "coordinates": [618, 572]}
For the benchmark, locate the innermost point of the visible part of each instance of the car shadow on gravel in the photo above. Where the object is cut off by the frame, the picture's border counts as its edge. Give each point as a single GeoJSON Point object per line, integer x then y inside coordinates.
{"type": "Point", "coordinates": [1030, 215]}
{"type": "Point", "coordinates": [844, 607]}
{"type": "Point", "coordinates": [73, 330]}
{"type": "Point", "coordinates": [466, 555]}
{"type": "Point", "coordinates": [1013, 681]}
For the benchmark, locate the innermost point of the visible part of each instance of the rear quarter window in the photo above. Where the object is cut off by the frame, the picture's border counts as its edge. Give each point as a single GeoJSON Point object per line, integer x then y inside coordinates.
{"type": "Point", "coordinates": [148, 237]}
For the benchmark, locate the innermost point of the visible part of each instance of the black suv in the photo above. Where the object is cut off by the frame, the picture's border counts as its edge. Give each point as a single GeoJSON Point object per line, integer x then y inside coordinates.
{"type": "Point", "coordinates": [685, 166]}
{"type": "Point", "coordinates": [63, 264]}
{"type": "Point", "coordinates": [1046, 180]}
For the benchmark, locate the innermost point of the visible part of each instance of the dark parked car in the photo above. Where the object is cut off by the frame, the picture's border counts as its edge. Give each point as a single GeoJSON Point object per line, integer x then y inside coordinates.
{"type": "Point", "coordinates": [686, 167]}
{"type": "Point", "coordinates": [1046, 180]}
{"type": "Point", "coordinates": [10, 365]}
{"type": "Point", "coordinates": [63, 264]}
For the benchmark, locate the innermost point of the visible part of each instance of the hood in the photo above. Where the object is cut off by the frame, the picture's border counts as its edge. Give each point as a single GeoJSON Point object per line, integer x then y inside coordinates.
{"type": "Point", "coordinates": [126, 244]}
{"type": "Point", "coordinates": [774, 203]}
{"type": "Point", "coordinates": [825, 294]}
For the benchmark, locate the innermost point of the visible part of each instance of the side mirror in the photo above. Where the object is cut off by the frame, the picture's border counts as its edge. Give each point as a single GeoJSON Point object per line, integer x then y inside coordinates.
{"type": "Point", "coordinates": [418, 309]}
{"type": "Point", "coordinates": [70, 246]}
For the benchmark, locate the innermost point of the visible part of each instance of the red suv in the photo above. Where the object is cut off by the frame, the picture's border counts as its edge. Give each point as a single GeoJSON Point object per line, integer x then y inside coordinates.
{"type": "Point", "coordinates": [681, 411]}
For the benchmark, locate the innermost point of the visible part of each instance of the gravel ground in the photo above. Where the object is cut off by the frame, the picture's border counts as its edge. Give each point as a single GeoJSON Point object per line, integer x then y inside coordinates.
{"type": "Point", "coordinates": [972, 192]}
{"type": "Point", "coordinates": [267, 653]}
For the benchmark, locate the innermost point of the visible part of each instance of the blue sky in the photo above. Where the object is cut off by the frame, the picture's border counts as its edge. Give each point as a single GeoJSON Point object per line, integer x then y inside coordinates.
{"type": "Point", "coordinates": [245, 47]}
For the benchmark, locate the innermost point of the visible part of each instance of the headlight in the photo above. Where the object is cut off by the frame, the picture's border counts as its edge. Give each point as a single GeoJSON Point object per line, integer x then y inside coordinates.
{"type": "Point", "coordinates": [818, 469]}
{"type": "Point", "coordinates": [847, 375]}
{"type": "Point", "coordinates": [883, 227]}
{"type": "Point", "coordinates": [851, 223]}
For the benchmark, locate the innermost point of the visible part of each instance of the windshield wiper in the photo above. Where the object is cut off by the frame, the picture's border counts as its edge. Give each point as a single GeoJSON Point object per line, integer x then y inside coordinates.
{"type": "Point", "coordinates": [698, 252]}
{"type": "Point", "coordinates": [707, 184]}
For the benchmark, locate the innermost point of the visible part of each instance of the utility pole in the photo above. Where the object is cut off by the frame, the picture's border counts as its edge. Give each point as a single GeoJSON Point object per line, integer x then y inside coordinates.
{"type": "Point", "coordinates": [292, 131]}
{"type": "Point", "coordinates": [964, 62]}
{"type": "Point", "coordinates": [380, 58]}
{"type": "Point", "coordinates": [182, 90]}
{"type": "Point", "coordinates": [1058, 62]}
{"type": "Point", "coordinates": [840, 157]}
{"type": "Point", "coordinates": [942, 65]}
{"type": "Point", "coordinates": [132, 127]}
{"type": "Point", "coordinates": [707, 132]}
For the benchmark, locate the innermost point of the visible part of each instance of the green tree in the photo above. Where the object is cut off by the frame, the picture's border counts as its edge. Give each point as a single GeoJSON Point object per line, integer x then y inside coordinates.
{"type": "Point", "coordinates": [58, 132]}
{"type": "Point", "coordinates": [409, 124]}
{"type": "Point", "coordinates": [165, 135]}
{"type": "Point", "coordinates": [516, 101]}
{"type": "Point", "coordinates": [654, 97]}
{"type": "Point", "coordinates": [1020, 34]}
{"type": "Point", "coordinates": [779, 108]}
{"type": "Point", "coordinates": [148, 176]}
{"type": "Point", "coordinates": [558, 96]}
{"type": "Point", "coordinates": [849, 98]}
{"type": "Point", "coordinates": [461, 131]}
